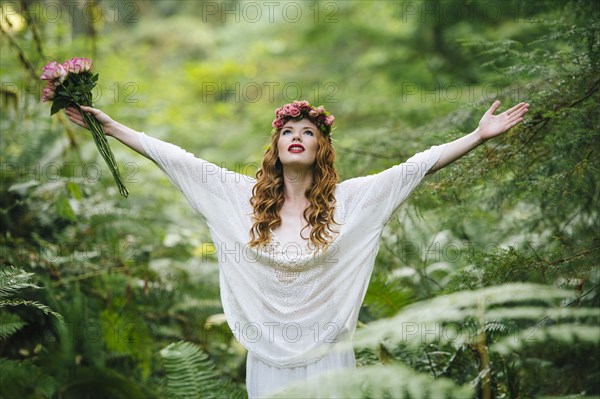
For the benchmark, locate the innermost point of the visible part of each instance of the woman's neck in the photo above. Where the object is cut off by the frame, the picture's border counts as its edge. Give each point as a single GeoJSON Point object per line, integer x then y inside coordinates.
{"type": "Point", "coordinates": [296, 182]}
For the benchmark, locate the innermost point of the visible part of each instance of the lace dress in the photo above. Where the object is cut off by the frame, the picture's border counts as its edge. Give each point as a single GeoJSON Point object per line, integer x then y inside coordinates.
{"type": "Point", "coordinates": [286, 304]}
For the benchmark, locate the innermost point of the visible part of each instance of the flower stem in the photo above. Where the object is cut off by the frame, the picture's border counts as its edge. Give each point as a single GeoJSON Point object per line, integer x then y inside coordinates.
{"type": "Point", "coordinates": [102, 144]}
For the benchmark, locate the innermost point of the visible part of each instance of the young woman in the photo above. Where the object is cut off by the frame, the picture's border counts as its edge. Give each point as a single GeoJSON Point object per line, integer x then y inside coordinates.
{"type": "Point", "coordinates": [295, 247]}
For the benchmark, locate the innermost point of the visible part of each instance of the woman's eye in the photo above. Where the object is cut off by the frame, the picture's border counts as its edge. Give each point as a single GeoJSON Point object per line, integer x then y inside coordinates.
{"type": "Point", "coordinates": [309, 132]}
{"type": "Point", "coordinates": [285, 132]}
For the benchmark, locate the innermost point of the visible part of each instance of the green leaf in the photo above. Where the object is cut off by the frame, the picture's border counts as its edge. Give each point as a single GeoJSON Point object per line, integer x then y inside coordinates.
{"type": "Point", "coordinates": [64, 209]}
{"type": "Point", "coordinates": [74, 190]}
{"type": "Point", "coordinates": [58, 104]}
{"type": "Point", "coordinates": [393, 381]}
{"type": "Point", "coordinates": [13, 280]}
{"type": "Point", "coordinates": [9, 324]}
{"type": "Point", "coordinates": [190, 373]}
{"type": "Point", "coordinates": [33, 304]}
{"type": "Point", "coordinates": [23, 379]}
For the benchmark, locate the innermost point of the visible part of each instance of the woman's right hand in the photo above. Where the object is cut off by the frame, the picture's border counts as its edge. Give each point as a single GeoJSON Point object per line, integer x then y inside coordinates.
{"type": "Point", "coordinates": [106, 121]}
{"type": "Point", "coordinates": [112, 128]}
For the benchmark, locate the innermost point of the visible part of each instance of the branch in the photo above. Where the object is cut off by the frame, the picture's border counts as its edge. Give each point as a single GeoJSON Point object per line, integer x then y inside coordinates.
{"type": "Point", "coordinates": [22, 56]}
{"type": "Point", "coordinates": [36, 33]}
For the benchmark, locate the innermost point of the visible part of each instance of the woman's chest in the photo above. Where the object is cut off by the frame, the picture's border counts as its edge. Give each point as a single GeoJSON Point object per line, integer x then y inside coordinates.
{"type": "Point", "coordinates": [294, 229]}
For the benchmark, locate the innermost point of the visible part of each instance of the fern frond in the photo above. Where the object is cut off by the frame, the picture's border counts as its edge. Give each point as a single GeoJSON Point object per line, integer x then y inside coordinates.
{"type": "Point", "coordinates": [33, 304]}
{"type": "Point", "coordinates": [567, 333]}
{"type": "Point", "coordinates": [23, 379]}
{"type": "Point", "coordinates": [424, 321]}
{"type": "Point", "coordinates": [391, 381]}
{"type": "Point", "coordinates": [533, 313]}
{"type": "Point", "coordinates": [9, 324]}
{"type": "Point", "coordinates": [190, 374]}
{"type": "Point", "coordinates": [385, 299]}
{"type": "Point", "coordinates": [13, 280]}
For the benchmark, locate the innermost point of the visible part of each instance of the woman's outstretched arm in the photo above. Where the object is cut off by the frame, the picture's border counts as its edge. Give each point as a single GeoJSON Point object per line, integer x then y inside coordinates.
{"type": "Point", "coordinates": [111, 127]}
{"type": "Point", "coordinates": [490, 126]}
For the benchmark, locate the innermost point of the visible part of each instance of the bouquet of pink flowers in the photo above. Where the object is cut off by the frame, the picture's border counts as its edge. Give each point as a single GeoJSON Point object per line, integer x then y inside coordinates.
{"type": "Point", "coordinates": [71, 84]}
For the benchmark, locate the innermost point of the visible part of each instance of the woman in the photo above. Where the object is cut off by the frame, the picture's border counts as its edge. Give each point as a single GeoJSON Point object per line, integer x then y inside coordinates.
{"type": "Point", "coordinates": [296, 248]}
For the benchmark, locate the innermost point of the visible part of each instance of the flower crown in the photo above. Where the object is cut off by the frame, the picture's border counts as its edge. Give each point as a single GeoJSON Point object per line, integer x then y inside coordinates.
{"type": "Point", "coordinates": [300, 110]}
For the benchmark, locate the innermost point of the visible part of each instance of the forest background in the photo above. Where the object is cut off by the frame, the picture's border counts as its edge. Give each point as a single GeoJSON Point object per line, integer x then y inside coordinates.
{"type": "Point", "coordinates": [486, 283]}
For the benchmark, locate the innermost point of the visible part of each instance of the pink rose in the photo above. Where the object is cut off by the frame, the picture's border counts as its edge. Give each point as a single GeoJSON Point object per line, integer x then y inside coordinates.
{"type": "Point", "coordinates": [278, 123]}
{"type": "Point", "coordinates": [53, 71]}
{"type": "Point", "coordinates": [329, 120]}
{"type": "Point", "coordinates": [87, 64]}
{"type": "Point", "coordinates": [287, 109]}
{"type": "Point", "coordinates": [279, 112]}
{"type": "Point", "coordinates": [294, 112]}
{"type": "Point", "coordinates": [49, 92]}
{"type": "Point", "coordinates": [320, 110]}
{"type": "Point", "coordinates": [78, 65]}
{"type": "Point", "coordinates": [313, 113]}
{"type": "Point", "coordinates": [302, 104]}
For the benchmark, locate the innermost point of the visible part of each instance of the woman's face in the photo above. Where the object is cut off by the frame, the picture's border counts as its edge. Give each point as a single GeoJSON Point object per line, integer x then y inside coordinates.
{"type": "Point", "coordinates": [297, 144]}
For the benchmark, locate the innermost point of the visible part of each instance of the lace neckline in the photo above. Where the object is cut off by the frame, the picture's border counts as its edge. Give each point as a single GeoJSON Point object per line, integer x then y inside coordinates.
{"type": "Point", "coordinates": [307, 250]}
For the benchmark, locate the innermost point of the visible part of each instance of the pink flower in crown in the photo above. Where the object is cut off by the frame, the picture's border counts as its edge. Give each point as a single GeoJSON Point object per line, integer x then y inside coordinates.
{"type": "Point", "coordinates": [54, 71]}
{"type": "Point", "coordinates": [321, 110]}
{"type": "Point", "coordinates": [278, 123]}
{"type": "Point", "coordinates": [78, 65]}
{"type": "Point", "coordinates": [287, 109]}
{"type": "Point", "coordinates": [313, 113]}
{"type": "Point", "coordinates": [329, 120]}
{"type": "Point", "coordinates": [294, 112]}
{"type": "Point", "coordinates": [279, 112]}
{"type": "Point", "coordinates": [302, 104]}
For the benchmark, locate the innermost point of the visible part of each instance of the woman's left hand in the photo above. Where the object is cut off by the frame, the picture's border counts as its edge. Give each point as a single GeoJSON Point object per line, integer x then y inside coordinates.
{"type": "Point", "coordinates": [492, 125]}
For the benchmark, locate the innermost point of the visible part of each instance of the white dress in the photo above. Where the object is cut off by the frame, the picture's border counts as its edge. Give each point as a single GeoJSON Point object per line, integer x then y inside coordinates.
{"type": "Point", "coordinates": [287, 305]}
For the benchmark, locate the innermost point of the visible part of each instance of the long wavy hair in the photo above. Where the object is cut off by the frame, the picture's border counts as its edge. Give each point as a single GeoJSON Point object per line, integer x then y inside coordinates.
{"type": "Point", "coordinates": [267, 195]}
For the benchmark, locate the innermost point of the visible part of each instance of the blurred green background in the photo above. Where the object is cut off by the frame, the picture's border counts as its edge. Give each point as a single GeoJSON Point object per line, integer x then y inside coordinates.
{"type": "Point", "coordinates": [133, 283]}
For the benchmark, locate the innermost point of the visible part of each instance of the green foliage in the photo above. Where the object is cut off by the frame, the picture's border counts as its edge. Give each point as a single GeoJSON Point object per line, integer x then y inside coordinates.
{"type": "Point", "coordinates": [132, 276]}
{"type": "Point", "coordinates": [450, 318]}
{"type": "Point", "coordinates": [99, 382]}
{"type": "Point", "coordinates": [23, 379]}
{"type": "Point", "coordinates": [498, 327]}
{"type": "Point", "coordinates": [12, 280]}
{"type": "Point", "coordinates": [391, 381]}
{"type": "Point", "coordinates": [441, 336]}
{"type": "Point", "coordinates": [191, 374]}
{"type": "Point", "coordinates": [9, 324]}
{"type": "Point", "coordinates": [384, 298]}
{"type": "Point", "coordinates": [566, 333]}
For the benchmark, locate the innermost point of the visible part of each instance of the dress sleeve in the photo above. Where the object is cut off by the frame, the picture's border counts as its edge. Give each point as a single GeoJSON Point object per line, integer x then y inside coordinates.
{"type": "Point", "coordinates": [375, 198]}
{"type": "Point", "coordinates": [209, 188]}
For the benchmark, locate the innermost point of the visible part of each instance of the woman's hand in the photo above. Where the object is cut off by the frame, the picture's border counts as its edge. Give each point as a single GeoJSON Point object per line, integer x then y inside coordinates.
{"type": "Point", "coordinates": [106, 121]}
{"type": "Point", "coordinates": [112, 128]}
{"type": "Point", "coordinates": [492, 125]}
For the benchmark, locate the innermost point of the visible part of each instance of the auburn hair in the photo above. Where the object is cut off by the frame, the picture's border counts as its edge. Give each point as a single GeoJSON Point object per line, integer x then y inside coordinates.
{"type": "Point", "coordinates": [267, 195]}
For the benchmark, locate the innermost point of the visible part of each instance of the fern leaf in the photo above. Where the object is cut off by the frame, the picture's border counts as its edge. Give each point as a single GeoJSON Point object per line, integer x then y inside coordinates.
{"type": "Point", "coordinates": [189, 372]}
{"type": "Point", "coordinates": [564, 333]}
{"type": "Point", "coordinates": [9, 324]}
{"type": "Point", "coordinates": [13, 280]}
{"type": "Point", "coordinates": [424, 321]}
{"type": "Point", "coordinates": [23, 379]}
{"type": "Point", "coordinates": [385, 299]}
{"type": "Point", "coordinates": [391, 381]}
{"type": "Point", "coordinates": [33, 304]}
{"type": "Point", "coordinates": [536, 313]}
